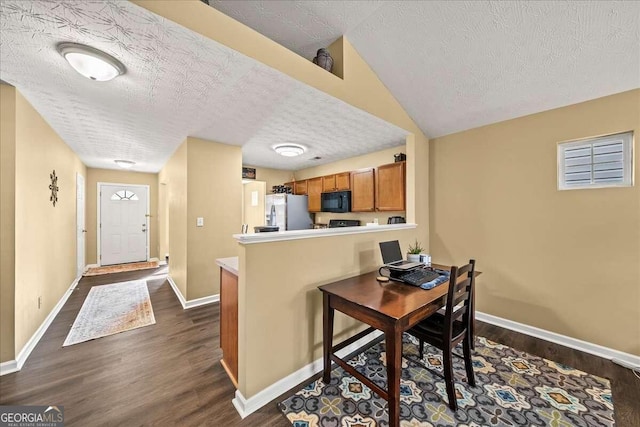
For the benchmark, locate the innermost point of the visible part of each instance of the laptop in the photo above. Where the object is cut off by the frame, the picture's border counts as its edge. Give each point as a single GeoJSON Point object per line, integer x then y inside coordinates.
{"type": "Point", "coordinates": [392, 256]}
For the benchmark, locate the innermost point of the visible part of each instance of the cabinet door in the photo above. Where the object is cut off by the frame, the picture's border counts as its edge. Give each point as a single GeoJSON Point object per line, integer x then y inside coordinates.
{"type": "Point", "coordinates": [300, 187]}
{"type": "Point", "coordinates": [390, 187]}
{"type": "Point", "coordinates": [229, 323]}
{"type": "Point", "coordinates": [362, 191]}
{"type": "Point", "coordinates": [328, 183]}
{"type": "Point", "coordinates": [314, 188]}
{"type": "Point", "coordinates": [343, 181]}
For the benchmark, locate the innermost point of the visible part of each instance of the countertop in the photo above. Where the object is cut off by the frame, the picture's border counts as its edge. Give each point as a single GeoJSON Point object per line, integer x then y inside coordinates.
{"type": "Point", "coordinates": [230, 264]}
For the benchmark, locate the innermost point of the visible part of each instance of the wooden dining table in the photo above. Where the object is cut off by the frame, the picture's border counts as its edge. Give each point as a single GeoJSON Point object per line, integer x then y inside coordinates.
{"type": "Point", "coordinates": [391, 307]}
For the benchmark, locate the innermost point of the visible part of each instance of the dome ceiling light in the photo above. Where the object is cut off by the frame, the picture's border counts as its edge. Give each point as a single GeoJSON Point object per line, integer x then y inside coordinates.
{"type": "Point", "coordinates": [125, 164]}
{"type": "Point", "coordinates": [289, 150]}
{"type": "Point", "coordinates": [91, 62]}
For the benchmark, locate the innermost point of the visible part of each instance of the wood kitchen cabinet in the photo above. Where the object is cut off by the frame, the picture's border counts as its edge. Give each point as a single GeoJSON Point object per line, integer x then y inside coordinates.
{"type": "Point", "coordinates": [229, 323]}
{"type": "Point", "coordinates": [390, 187]}
{"type": "Point", "coordinates": [300, 187]}
{"type": "Point", "coordinates": [314, 189]}
{"type": "Point", "coordinates": [363, 190]}
{"type": "Point", "coordinates": [337, 182]}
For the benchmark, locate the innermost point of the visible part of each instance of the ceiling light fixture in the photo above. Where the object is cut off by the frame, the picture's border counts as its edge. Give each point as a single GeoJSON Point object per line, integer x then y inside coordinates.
{"type": "Point", "coordinates": [125, 164]}
{"type": "Point", "coordinates": [289, 150]}
{"type": "Point", "coordinates": [91, 62]}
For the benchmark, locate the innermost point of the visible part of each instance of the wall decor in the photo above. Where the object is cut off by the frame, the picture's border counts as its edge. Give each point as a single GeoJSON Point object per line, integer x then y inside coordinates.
{"type": "Point", "coordinates": [248, 173]}
{"type": "Point", "coordinates": [53, 187]}
{"type": "Point", "coordinates": [323, 59]}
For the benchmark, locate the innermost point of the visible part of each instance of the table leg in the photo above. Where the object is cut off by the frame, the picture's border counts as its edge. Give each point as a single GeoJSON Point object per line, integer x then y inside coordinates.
{"type": "Point", "coordinates": [327, 336]}
{"type": "Point", "coordinates": [393, 340]}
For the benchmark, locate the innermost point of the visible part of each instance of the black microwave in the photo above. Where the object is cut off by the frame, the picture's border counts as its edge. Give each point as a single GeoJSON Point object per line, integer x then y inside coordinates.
{"type": "Point", "coordinates": [338, 201]}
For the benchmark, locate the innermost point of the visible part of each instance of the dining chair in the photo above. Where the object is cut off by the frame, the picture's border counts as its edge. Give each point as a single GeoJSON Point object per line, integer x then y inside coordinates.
{"type": "Point", "coordinates": [445, 331]}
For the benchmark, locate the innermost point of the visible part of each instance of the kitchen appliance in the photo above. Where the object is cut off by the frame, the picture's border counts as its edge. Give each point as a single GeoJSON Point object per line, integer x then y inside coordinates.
{"type": "Point", "coordinates": [335, 223]}
{"type": "Point", "coordinates": [337, 202]}
{"type": "Point", "coordinates": [396, 220]}
{"type": "Point", "coordinates": [266, 228]}
{"type": "Point", "coordinates": [288, 212]}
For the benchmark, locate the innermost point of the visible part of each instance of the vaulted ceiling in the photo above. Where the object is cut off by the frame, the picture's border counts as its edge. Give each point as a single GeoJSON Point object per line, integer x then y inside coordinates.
{"type": "Point", "coordinates": [456, 65]}
{"type": "Point", "coordinates": [452, 65]}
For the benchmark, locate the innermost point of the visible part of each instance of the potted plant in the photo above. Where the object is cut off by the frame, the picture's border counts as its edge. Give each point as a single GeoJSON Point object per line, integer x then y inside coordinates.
{"type": "Point", "coordinates": [414, 252]}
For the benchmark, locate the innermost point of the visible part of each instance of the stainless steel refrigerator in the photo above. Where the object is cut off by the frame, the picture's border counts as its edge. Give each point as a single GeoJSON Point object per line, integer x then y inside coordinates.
{"type": "Point", "coordinates": [287, 211]}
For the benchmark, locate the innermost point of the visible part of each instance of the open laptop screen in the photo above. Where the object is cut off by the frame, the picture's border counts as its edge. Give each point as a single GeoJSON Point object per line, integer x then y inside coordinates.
{"type": "Point", "coordinates": [390, 251]}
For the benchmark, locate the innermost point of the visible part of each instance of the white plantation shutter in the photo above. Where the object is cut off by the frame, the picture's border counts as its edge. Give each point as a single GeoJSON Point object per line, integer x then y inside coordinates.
{"type": "Point", "coordinates": [605, 161]}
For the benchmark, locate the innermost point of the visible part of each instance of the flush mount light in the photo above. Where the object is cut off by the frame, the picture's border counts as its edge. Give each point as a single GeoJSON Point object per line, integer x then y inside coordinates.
{"type": "Point", "coordinates": [289, 150]}
{"type": "Point", "coordinates": [125, 164]}
{"type": "Point", "coordinates": [91, 62]}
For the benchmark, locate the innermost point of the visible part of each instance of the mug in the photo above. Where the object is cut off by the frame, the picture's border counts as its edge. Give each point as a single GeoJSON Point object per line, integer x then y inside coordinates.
{"type": "Point", "coordinates": [425, 259]}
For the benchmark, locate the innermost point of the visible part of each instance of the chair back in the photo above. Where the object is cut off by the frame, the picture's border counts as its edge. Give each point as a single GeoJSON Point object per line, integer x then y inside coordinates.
{"type": "Point", "coordinates": [460, 291]}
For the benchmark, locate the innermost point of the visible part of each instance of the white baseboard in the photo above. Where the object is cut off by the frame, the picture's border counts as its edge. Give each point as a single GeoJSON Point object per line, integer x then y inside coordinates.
{"type": "Point", "coordinates": [23, 355]}
{"type": "Point", "coordinates": [194, 302]}
{"type": "Point", "coordinates": [587, 347]}
{"type": "Point", "coordinates": [246, 407]}
{"type": "Point", "coordinates": [8, 367]}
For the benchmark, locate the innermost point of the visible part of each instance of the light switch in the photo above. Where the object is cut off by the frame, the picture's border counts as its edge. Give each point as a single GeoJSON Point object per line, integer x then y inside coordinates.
{"type": "Point", "coordinates": [200, 222]}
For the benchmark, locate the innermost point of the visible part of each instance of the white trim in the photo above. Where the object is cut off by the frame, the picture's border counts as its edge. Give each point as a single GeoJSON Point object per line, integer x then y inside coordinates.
{"type": "Point", "coordinates": [584, 346]}
{"type": "Point", "coordinates": [194, 302]}
{"type": "Point", "coordinates": [146, 218]}
{"type": "Point", "coordinates": [246, 407]}
{"type": "Point", "coordinates": [23, 355]}
{"type": "Point", "coordinates": [247, 239]}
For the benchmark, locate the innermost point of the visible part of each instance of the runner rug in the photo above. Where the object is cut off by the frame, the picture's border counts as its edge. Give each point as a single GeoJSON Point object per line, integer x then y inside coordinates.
{"type": "Point", "coordinates": [110, 309]}
{"type": "Point", "coordinates": [513, 388]}
{"type": "Point", "coordinates": [120, 268]}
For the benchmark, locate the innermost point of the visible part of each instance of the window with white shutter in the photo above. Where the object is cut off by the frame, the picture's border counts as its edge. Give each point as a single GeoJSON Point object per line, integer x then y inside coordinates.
{"type": "Point", "coordinates": [605, 161]}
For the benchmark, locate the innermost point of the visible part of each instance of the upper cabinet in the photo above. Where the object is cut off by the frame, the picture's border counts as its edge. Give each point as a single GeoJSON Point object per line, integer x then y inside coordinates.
{"type": "Point", "coordinates": [336, 182]}
{"type": "Point", "coordinates": [362, 190]}
{"type": "Point", "coordinates": [300, 187]}
{"type": "Point", "coordinates": [314, 189]}
{"type": "Point", "coordinates": [390, 187]}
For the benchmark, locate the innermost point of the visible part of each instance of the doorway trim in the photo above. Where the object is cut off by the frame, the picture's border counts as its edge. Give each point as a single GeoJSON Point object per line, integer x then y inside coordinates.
{"type": "Point", "coordinates": [146, 218]}
{"type": "Point", "coordinates": [81, 231]}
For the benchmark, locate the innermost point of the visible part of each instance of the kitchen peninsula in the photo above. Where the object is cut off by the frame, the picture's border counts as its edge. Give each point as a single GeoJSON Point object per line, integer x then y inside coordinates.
{"type": "Point", "coordinates": [271, 309]}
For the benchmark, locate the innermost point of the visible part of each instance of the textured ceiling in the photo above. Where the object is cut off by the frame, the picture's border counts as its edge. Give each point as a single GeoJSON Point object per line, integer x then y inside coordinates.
{"type": "Point", "coordinates": [177, 84]}
{"type": "Point", "coordinates": [456, 65]}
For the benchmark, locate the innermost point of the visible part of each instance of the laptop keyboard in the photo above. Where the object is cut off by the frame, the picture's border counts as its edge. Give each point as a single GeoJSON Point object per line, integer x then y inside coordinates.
{"type": "Point", "coordinates": [419, 276]}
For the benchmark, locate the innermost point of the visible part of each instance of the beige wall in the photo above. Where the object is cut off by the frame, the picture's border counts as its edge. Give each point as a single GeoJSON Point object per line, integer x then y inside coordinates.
{"type": "Point", "coordinates": [45, 243]}
{"type": "Point", "coordinates": [173, 231]}
{"type": "Point", "coordinates": [7, 220]}
{"type": "Point", "coordinates": [214, 192]}
{"type": "Point", "coordinates": [118, 177]}
{"type": "Point", "coordinates": [563, 261]}
{"type": "Point", "coordinates": [253, 215]}
{"type": "Point", "coordinates": [272, 177]}
{"type": "Point", "coordinates": [283, 307]}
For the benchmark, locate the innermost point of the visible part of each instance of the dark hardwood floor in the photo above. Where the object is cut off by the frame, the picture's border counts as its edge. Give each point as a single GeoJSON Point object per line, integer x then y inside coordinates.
{"type": "Point", "coordinates": [169, 373]}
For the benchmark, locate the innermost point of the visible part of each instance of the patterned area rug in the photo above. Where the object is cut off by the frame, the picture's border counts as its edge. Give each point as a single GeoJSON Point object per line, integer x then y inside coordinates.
{"type": "Point", "coordinates": [110, 309]}
{"type": "Point", "coordinates": [513, 388]}
{"type": "Point", "coordinates": [120, 268]}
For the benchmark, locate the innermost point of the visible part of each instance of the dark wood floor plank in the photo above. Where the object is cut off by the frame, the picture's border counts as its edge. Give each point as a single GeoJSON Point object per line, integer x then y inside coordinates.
{"type": "Point", "coordinates": [170, 373]}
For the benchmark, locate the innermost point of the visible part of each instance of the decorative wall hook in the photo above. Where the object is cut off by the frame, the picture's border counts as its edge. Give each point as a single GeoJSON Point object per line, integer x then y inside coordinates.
{"type": "Point", "coordinates": [53, 187]}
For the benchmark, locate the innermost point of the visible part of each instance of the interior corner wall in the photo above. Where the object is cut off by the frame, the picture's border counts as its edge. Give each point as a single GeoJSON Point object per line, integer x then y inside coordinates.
{"type": "Point", "coordinates": [118, 177]}
{"type": "Point", "coordinates": [173, 230]}
{"type": "Point", "coordinates": [217, 198]}
{"type": "Point", "coordinates": [563, 261]}
{"type": "Point", "coordinates": [7, 220]}
{"type": "Point", "coordinates": [45, 235]}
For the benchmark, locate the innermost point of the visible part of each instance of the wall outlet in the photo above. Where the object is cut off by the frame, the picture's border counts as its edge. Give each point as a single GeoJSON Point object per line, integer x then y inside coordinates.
{"type": "Point", "coordinates": [200, 222]}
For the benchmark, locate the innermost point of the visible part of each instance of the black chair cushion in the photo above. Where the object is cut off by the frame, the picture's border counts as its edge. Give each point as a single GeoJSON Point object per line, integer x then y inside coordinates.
{"type": "Point", "coordinates": [433, 327]}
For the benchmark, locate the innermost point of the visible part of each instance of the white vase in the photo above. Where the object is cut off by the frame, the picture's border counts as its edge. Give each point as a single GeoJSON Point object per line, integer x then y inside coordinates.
{"type": "Point", "coordinates": [413, 257]}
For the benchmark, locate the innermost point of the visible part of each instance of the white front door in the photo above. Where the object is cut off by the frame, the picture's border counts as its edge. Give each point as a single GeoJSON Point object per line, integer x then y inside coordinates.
{"type": "Point", "coordinates": [80, 230]}
{"type": "Point", "coordinates": [123, 223]}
